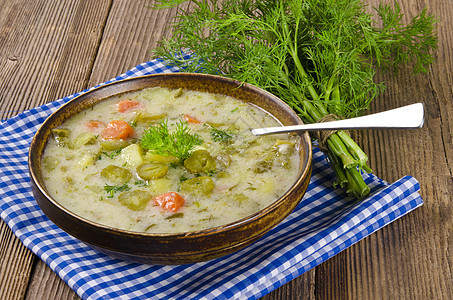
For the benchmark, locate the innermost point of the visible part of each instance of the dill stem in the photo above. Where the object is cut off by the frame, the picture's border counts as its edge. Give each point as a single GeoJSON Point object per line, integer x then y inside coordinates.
{"type": "Point", "coordinates": [337, 146]}
{"type": "Point", "coordinates": [357, 185]}
{"type": "Point", "coordinates": [336, 92]}
{"type": "Point", "coordinates": [335, 142]}
{"type": "Point", "coordinates": [353, 148]}
{"type": "Point", "coordinates": [330, 88]}
{"type": "Point", "coordinates": [292, 50]}
{"type": "Point", "coordinates": [311, 110]}
{"type": "Point", "coordinates": [304, 75]}
{"type": "Point", "coordinates": [337, 166]}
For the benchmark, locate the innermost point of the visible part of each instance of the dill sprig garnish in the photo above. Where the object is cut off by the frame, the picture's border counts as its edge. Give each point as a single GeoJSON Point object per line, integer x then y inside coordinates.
{"type": "Point", "coordinates": [112, 189]}
{"type": "Point", "coordinates": [179, 143]}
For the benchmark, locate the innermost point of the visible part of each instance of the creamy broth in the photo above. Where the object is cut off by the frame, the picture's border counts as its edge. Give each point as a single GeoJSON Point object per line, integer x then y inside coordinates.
{"type": "Point", "coordinates": [105, 180]}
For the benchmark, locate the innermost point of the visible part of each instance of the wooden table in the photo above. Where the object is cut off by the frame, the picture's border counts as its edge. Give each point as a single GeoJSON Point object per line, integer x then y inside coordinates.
{"type": "Point", "coordinates": [53, 48]}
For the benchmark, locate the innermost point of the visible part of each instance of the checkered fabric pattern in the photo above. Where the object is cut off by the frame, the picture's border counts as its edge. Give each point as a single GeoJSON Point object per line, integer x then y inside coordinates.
{"type": "Point", "coordinates": [325, 223]}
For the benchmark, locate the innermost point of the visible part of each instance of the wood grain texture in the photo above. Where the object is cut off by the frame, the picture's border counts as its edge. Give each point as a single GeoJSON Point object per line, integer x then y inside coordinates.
{"type": "Point", "coordinates": [45, 284]}
{"type": "Point", "coordinates": [15, 265]}
{"type": "Point", "coordinates": [50, 49]}
{"type": "Point", "coordinates": [132, 31]}
{"type": "Point", "coordinates": [47, 49]}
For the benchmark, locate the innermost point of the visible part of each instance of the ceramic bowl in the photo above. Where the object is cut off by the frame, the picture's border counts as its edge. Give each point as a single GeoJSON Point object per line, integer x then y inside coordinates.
{"type": "Point", "coordinates": [179, 248]}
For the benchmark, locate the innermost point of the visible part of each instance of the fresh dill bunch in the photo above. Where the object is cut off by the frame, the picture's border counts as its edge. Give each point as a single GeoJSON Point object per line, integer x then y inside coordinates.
{"type": "Point", "coordinates": [323, 51]}
{"type": "Point", "coordinates": [319, 56]}
{"type": "Point", "coordinates": [179, 143]}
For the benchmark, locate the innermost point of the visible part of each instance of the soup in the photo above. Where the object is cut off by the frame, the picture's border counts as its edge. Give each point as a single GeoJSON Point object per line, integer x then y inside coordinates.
{"type": "Point", "coordinates": [166, 161]}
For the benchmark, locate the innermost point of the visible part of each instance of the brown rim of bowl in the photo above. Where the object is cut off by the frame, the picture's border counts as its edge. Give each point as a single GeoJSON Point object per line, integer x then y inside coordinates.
{"type": "Point", "coordinates": [33, 168]}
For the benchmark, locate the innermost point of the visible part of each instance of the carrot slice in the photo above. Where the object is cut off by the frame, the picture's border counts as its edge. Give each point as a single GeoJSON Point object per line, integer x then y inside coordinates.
{"type": "Point", "coordinates": [191, 119]}
{"type": "Point", "coordinates": [127, 105]}
{"type": "Point", "coordinates": [170, 201]}
{"type": "Point", "coordinates": [117, 129]}
{"type": "Point", "coordinates": [94, 124]}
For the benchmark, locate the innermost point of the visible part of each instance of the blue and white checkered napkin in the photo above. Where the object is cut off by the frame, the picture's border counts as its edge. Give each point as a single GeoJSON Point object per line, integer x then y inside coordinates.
{"type": "Point", "coordinates": [325, 223]}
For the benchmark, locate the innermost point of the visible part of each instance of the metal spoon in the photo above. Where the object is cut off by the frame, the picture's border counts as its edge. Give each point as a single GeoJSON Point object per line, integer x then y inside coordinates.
{"type": "Point", "coordinates": [410, 116]}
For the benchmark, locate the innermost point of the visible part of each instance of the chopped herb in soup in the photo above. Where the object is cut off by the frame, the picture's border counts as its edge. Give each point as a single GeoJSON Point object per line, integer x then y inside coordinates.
{"type": "Point", "coordinates": [166, 161]}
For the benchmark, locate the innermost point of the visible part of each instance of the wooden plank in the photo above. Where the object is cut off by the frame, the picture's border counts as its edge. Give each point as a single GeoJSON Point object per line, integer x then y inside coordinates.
{"type": "Point", "coordinates": [47, 51]}
{"type": "Point", "coordinates": [302, 287]}
{"type": "Point", "coordinates": [46, 284]}
{"type": "Point", "coordinates": [15, 265]}
{"type": "Point", "coordinates": [131, 32]}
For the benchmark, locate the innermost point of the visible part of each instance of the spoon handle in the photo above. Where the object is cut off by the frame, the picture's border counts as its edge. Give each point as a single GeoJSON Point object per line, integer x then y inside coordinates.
{"type": "Point", "coordinates": [410, 116]}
